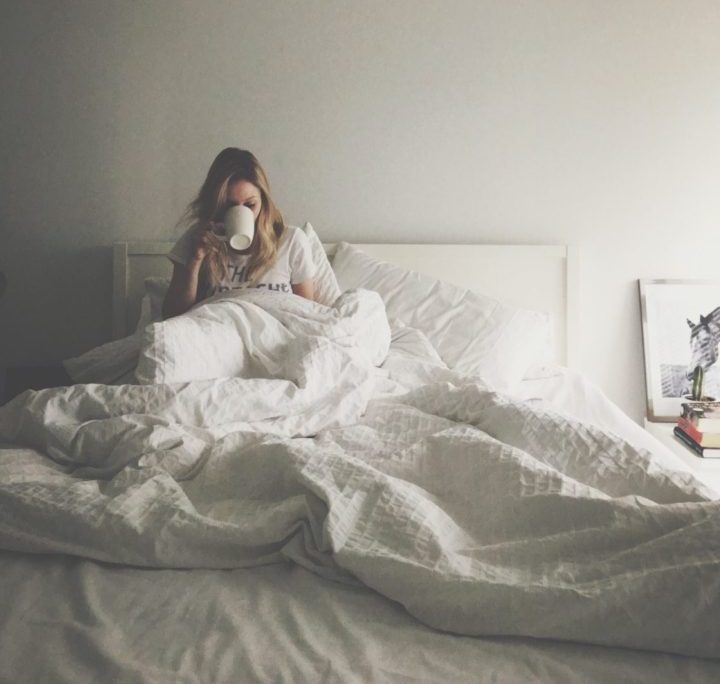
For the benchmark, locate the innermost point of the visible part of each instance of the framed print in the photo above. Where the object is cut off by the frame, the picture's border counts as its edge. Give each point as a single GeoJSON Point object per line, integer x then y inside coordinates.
{"type": "Point", "coordinates": [681, 330]}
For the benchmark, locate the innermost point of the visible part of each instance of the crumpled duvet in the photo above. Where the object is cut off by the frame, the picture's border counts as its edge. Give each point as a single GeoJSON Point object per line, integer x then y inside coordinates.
{"type": "Point", "coordinates": [480, 513]}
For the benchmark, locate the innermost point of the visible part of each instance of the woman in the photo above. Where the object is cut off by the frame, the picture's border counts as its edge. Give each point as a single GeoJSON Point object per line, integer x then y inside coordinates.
{"type": "Point", "coordinates": [279, 257]}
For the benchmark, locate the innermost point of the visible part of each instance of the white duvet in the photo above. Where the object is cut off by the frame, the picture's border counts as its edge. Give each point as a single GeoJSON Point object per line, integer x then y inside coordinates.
{"type": "Point", "coordinates": [480, 513]}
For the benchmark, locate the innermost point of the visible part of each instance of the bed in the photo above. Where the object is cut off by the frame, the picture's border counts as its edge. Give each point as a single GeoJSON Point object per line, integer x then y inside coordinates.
{"type": "Point", "coordinates": [416, 522]}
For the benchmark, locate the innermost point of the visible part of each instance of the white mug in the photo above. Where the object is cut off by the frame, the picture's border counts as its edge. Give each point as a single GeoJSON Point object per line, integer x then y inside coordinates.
{"type": "Point", "coordinates": [239, 226]}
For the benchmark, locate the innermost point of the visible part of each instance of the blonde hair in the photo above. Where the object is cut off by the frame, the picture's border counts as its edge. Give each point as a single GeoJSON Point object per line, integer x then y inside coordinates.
{"type": "Point", "coordinates": [231, 165]}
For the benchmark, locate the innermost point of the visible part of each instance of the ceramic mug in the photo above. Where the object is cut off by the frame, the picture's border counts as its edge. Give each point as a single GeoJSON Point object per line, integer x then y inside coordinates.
{"type": "Point", "coordinates": [239, 226]}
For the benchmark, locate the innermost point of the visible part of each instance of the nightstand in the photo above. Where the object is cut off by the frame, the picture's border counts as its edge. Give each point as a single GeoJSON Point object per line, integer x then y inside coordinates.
{"type": "Point", "coordinates": [707, 470]}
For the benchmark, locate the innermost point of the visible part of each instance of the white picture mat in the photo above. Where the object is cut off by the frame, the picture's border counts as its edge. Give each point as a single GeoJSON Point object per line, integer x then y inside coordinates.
{"type": "Point", "coordinates": [666, 306]}
{"type": "Point", "coordinates": [539, 277]}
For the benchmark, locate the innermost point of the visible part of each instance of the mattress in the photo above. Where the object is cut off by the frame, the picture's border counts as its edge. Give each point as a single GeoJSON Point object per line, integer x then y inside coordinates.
{"type": "Point", "coordinates": [71, 619]}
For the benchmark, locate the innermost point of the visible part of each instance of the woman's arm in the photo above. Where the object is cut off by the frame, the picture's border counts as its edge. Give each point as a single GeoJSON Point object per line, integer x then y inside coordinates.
{"type": "Point", "coordinates": [183, 290]}
{"type": "Point", "coordinates": [304, 289]}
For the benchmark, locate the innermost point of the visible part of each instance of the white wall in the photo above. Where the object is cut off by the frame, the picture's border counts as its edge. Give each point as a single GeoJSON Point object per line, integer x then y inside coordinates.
{"type": "Point", "coordinates": [592, 122]}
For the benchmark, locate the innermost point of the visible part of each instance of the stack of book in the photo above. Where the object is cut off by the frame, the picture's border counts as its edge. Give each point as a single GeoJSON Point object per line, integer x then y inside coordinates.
{"type": "Point", "coordinates": [698, 427]}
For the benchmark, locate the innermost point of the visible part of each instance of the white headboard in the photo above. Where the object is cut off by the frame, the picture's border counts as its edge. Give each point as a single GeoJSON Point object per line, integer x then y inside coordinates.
{"type": "Point", "coordinates": [540, 277]}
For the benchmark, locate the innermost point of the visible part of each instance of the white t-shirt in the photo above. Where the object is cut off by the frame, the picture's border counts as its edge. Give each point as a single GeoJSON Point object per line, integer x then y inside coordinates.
{"type": "Point", "coordinates": [294, 263]}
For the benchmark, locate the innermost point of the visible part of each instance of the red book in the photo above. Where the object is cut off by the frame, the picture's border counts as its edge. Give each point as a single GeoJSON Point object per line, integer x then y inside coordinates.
{"type": "Point", "coordinates": [706, 440]}
{"type": "Point", "coordinates": [704, 415]}
{"type": "Point", "coordinates": [689, 442]}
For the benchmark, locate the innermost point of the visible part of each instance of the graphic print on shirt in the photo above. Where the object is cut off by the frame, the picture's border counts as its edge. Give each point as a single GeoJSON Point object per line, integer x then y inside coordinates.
{"type": "Point", "coordinates": [237, 276]}
{"type": "Point", "coordinates": [294, 264]}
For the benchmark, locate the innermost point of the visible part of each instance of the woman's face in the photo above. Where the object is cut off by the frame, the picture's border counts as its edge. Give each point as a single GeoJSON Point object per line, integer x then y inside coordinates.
{"type": "Point", "coordinates": [244, 192]}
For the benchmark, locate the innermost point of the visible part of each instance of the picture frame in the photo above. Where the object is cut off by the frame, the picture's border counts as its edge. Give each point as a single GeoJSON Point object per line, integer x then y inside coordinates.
{"type": "Point", "coordinates": [680, 329]}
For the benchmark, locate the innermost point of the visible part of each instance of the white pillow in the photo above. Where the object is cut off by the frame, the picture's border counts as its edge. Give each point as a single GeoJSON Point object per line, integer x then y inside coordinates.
{"type": "Point", "coordinates": [472, 333]}
{"type": "Point", "coordinates": [326, 285]}
{"type": "Point", "coordinates": [155, 290]}
{"type": "Point", "coordinates": [151, 303]}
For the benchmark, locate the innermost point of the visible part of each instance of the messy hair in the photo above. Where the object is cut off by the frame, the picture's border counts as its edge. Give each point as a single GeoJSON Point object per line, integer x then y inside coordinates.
{"type": "Point", "coordinates": [230, 166]}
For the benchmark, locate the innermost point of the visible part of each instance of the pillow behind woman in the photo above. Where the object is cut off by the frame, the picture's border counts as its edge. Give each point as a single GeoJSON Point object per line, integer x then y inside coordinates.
{"type": "Point", "coordinates": [472, 333]}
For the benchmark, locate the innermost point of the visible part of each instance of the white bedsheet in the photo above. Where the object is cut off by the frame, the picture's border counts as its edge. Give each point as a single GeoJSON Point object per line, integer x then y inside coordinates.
{"type": "Point", "coordinates": [65, 619]}
{"type": "Point", "coordinates": [480, 513]}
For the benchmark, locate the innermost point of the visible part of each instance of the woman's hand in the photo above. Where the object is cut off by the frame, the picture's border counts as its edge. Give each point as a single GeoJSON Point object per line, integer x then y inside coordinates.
{"type": "Point", "coordinates": [182, 292]}
{"type": "Point", "coordinates": [205, 240]}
